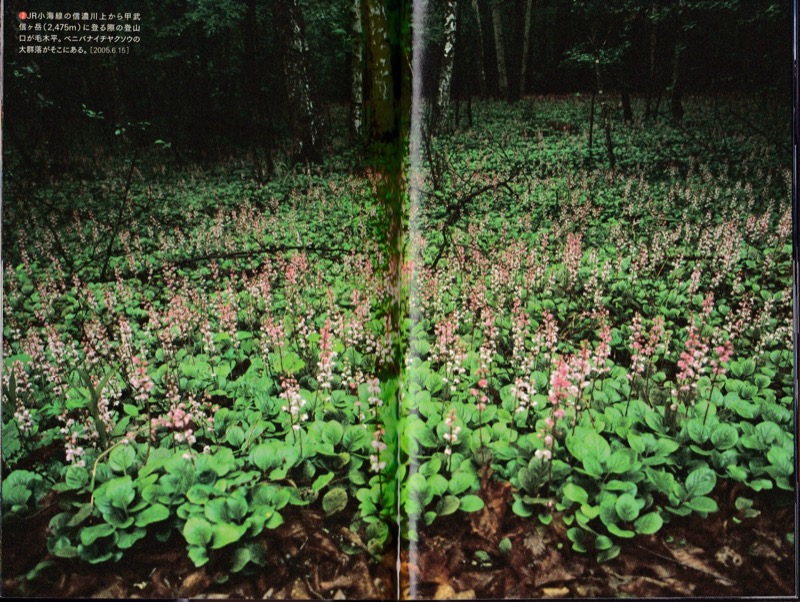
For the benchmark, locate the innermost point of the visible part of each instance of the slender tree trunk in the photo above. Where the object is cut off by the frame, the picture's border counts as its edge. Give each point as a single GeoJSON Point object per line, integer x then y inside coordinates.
{"type": "Point", "coordinates": [441, 115]}
{"type": "Point", "coordinates": [526, 45]}
{"type": "Point", "coordinates": [651, 82]}
{"type": "Point", "coordinates": [379, 68]}
{"type": "Point", "coordinates": [627, 109]}
{"type": "Point", "coordinates": [591, 123]}
{"type": "Point", "coordinates": [356, 71]}
{"type": "Point", "coordinates": [306, 127]}
{"type": "Point", "coordinates": [502, 73]}
{"type": "Point", "coordinates": [609, 141]}
{"type": "Point", "coordinates": [676, 93]}
{"type": "Point", "coordinates": [481, 56]}
{"type": "Point", "coordinates": [260, 126]}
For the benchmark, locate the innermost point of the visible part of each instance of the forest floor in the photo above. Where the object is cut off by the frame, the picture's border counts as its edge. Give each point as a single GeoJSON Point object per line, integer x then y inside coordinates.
{"type": "Point", "coordinates": [694, 557]}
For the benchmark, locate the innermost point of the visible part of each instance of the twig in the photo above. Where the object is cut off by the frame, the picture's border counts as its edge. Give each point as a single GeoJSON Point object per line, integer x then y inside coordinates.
{"type": "Point", "coordinates": [688, 566]}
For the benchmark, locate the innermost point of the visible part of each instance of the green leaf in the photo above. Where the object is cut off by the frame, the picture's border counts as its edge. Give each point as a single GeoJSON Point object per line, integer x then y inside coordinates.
{"type": "Point", "coordinates": [90, 534]}
{"type": "Point", "coordinates": [462, 481]}
{"type": "Point", "coordinates": [620, 532]}
{"type": "Point", "coordinates": [130, 410]}
{"type": "Point", "coordinates": [627, 507]}
{"type": "Point", "coordinates": [198, 555]}
{"type": "Point", "coordinates": [437, 484]}
{"type": "Point", "coordinates": [700, 482]}
{"type": "Point", "coordinates": [274, 521]}
{"type": "Point", "coordinates": [117, 492]}
{"type": "Point", "coordinates": [702, 504]}
{"type": "Point", "coordinates": [760, 484]}
{"type": "Point", "coordinates": [197, 531]}
{"type": "Point", "coordinates": [335, 500]}
{"type": "Point", "coordinates": [239, 559]}
{"type": "Point", "coordinates": [621, 461]}
{"type": "Point", "coordinates": [235, 436]}
{"type": "Point", "coordinates": [236, 507]}
{"type": "Point", "coordinates": [575, 493]}
{"type": "Point", "coordinates": [81, 515]}
{"type": "Point", "coordinates": [63, 548]}
{"type": "Point", "coordinates": [649, 523]}
{"type": "Point", "coordinates": [152, 514]}
{"type": "Point", "coordinates": [332, 433]}
{"type": "Point", "coordinates": [447, 505]}
{"type": "Point", "coordinates": [355, 438]}
{"type": "Point", "coordinates": [521, 509]}
{"type": "Point", "coordinates": [126, 539]}
{"type": "Point", "coordinates": [76, 477]}
{"type": "Point", "coordinates": [227, 533]}
{"type": "Point", "coordinates": [768, 433]}
{"type": "Point", "coordinates": [266, 456]}
{"type": "Point", "coordinates": [471, 503]}
{"type": "Point", "coordinates": [322, 480]}
{"type": "Point", "coordinates": [698, 432]}
{"type": "Point", "coordinates": [122, 458]}
{"type": "Point", "coordinates": [724, 436]}
{"type": "Point", "coordinates": [609, 554]}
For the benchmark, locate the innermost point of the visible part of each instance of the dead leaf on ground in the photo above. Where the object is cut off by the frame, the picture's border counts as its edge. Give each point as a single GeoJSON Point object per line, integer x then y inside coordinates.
{"type": "Point", "coordinates": [194, 583]}
{"type": "Point", "coordinates": [555, 592]}
{"type": "Point", "coordinates": [487, 523]}
{"type": "Point", "coordinates": [691, 556]}
{"type": "Point", "coordinates": [446, 592]}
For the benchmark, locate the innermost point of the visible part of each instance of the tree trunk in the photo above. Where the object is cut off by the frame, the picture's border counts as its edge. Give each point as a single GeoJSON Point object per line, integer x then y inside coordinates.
{"type": "Point", "coordinates": [481, 54]}
{"type": "Point", "coordinates": [651, 82]}
{"type": "Point", "coordinates": [627, 109]}
{"type": "Point", "coordinates": [609, 141]}
{"type": "Point", "coordinates": [502, 74]}
{"type": "Point", "coordinates": [591, 123]}
{"type": "Point", "coordinates": [261, 133]}
{"type": "Point", "coordinates": [676, 93]}
{"type": "Point", "coordinates": [379, 68]}
{"type": "Point", "coordinates": [526, 44]}
{"type": "Point", "coordinates": [289, 29]}
{"type": "Point", "coordinates": [356, 71]}
{"type": "Point", "coordinates": [441, 114]}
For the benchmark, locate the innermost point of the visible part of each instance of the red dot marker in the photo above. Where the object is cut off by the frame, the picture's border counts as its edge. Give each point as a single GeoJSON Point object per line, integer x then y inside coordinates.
{"type": "Point", "coordinates": [23, 15]}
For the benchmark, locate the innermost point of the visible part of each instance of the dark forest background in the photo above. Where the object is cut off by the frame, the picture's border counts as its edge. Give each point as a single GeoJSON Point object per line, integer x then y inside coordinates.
{"type": "Point", "coordinates": [212, 78]}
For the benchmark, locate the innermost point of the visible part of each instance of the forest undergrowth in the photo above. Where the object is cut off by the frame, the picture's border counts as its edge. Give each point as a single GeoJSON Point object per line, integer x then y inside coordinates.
{"type": "Point", "coordinates": [193, 355]}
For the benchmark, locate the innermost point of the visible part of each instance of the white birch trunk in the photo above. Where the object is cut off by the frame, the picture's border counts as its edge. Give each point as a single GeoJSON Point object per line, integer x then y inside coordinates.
{"type": "Point", "coordinates": [446, 73]}
{"type": "Point", "coordinates": [357, 71]}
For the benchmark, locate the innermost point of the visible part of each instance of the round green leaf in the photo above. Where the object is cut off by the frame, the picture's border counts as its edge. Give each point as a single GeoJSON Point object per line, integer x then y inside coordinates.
{"type": "Point", "coordinates": [197, 531]}
{"type": "Point", "coordinates": [122, 458]}
{"type": "Point", "coordinates": [724, 436]}
{"type": "Point", "coordinates": [700, 481]}
{"type": "Point", "coordinates": [447, 505]}
{"type": "Point", "coordinates": [627, 508]}
{"type": "Point", "coordinates": [334, 501]}
{"type": "Point", "coordinates": [649, 523]}
{"type": "Point", "coordinates": [471, 503]}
